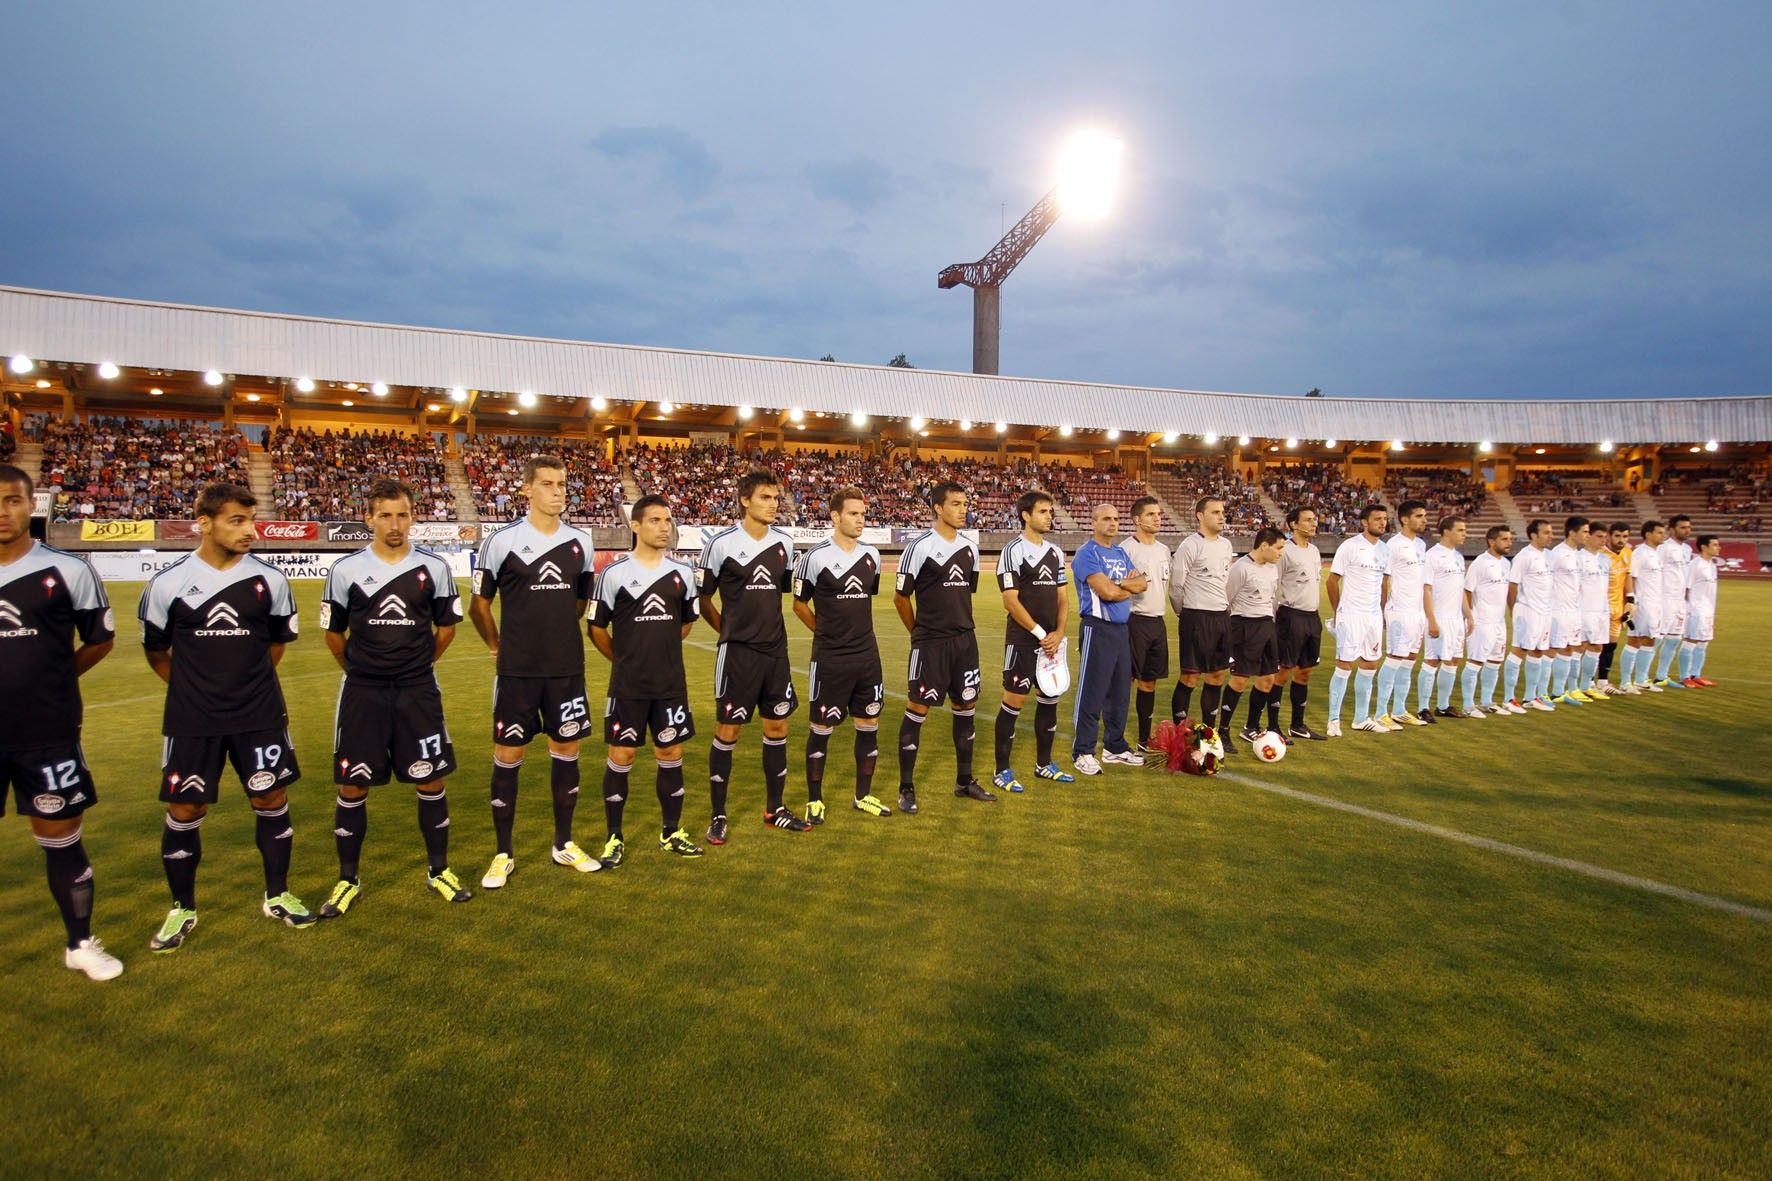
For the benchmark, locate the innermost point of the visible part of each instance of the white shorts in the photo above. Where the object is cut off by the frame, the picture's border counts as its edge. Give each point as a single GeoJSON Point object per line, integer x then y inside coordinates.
{"type": "Point", "coordinates": [1701, 626]}
{"type": "Point", "coordinates": [1672, 621]}
{"type": "Point", "coordinates": [1645, 621]}
{"type": "Point", "coordinates": [1403, 634]}
{"type": "Point", "coordinates": [1565, 630]}
{"type": "Point", "coordinates": [1596, 627]}
{"type": "Point", "coordinates": [1488, 642]}
{"type": "Point", "coordinates": [1531, 631]}
{"type": "Point", "coordinates": [1358, 637]}
{"type": "Point", "coordinates": [1450, 644]}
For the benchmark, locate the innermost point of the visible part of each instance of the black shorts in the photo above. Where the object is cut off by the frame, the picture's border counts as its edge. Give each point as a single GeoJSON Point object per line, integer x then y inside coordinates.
{"type": "Point", "coordinates": [1255, 648]}
{"type": "Point", "coordinates": [1301, 637]}
{"type": "Point", "coordinates": [1205, 641]}
{"type": "Point", "coordinates": [945, 668]}
{"type": "Point", "coordinates": [191, 768]}
{"type": "Point", "coordinates": [48, 782]}
{"type": "Point", "coordinates": [626, 721]}
{"type": "Point", "coordinates": [1150, 647]}
{"type": "Point", "coordinates": [1019, 663]}
{"type": "Point", "coordinates": [523, 707]}
{"type": "Point", "coordinates": [749, 682]}
{"type": "Point", "coordinates": [846, 686]}
{"type": "Point", "coordinates": [390, 730]}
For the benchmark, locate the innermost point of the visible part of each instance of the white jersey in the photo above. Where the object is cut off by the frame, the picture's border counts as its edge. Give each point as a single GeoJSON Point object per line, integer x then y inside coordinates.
{"type": "Point", "coordinates": [1675, 557]}
{"type": "Point", "coordinates": [1701, 586]}
{"type": "Point", "coordinates": [1361, 565]}
{"type": "Point", "coordinates": [1487, 580]}
{"type": "Point", "coordinates": [1565, 565]}
{"type": "Point", "coordinates": [1531, 572]}
{"type": "Point", "coordinates": [1150, 559]}
{"type": "Point", "coordinates": [1445, 581]}
{"type": "Point", "coordinates": [1406, 563]}
{"type": "Point", "coordinates": [1596, 581]}
{"type": "Point", "coordinates": [1645, 569]}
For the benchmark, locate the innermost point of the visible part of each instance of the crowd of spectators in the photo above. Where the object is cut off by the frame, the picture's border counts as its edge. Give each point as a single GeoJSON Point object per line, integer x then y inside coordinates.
{"type": "Point", "coordinates": [1564, 490]}
{"type": "Point", "coordinates": [1337, 499]}
{"type": "Point", "coordinates": [117, 468]}
{"type": "Point", "coordinates": [1243, 512]}
{"type": "Point", "coordinates": [1447, 491]}
{"type": "Point", "coordinates": [494, 468]}
{"type": "Point", "coordinates": [325, 475]}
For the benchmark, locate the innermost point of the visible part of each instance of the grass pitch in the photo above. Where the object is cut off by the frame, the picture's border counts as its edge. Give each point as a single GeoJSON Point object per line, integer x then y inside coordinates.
{"type": "Point", "coordinates": [1137, 974]}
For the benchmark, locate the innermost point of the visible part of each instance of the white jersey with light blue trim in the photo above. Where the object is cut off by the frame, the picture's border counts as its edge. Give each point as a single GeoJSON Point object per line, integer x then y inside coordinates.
{"type": "Point", "coordinates": [1675, 557]}
{"type": "Point", "coordinates": [1406, 563]}
{"type": "Point", "coordinates": [1596, 582]}
{"type": "Point", "coordinates": [1361, 566]}
{"type": "Point", "coordinates": [1445, 582]}
{"type": "Point", "coordinates": [1487, 580]}
{"type": "Point", "coordinates": [1531, 572]}
{"type": "Point", "coordinates": [1565, 567]}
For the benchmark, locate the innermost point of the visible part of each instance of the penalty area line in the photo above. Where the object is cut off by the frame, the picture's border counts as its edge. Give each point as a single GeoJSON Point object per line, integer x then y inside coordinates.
{"type": "Point", "coordinates": [1586, 869]}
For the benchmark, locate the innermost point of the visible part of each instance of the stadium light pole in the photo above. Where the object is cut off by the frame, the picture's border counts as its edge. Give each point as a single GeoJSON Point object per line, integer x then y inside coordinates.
{"type": "Point", "coordinates": [1087, 176]}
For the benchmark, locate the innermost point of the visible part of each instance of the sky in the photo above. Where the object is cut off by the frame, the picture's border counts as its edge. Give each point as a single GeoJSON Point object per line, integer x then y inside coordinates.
{"type": "Point", "coordinates": [1421, 200]}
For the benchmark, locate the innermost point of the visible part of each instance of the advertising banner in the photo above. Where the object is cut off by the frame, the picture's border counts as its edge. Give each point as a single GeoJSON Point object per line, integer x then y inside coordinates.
{"type": "Point", "coordinates": [42, 504]}
{"type": "Point", "coordinates": [141, 565]}
{"type": "Point", "coordinates": [441, 532]}
{"type": "Point", "coordinates": [347, 531]}
{"type": "Point", "coordinates": [693, 537]}
{"type": "Point", "coordinates": [177, 530]}
{"type": "Point", "coordinates": [116, 530]}
{"type": "Point", "coordinates": [289, 530]}
{"type": "Point", "coordinates": [1738, 559]}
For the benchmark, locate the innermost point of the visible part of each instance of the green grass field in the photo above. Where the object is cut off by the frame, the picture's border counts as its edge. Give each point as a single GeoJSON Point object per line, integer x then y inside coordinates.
{"type": "Point", "coordinates": [1133, 975]}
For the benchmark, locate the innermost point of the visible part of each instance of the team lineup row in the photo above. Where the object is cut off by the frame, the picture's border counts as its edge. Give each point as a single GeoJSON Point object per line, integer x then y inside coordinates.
{"type": "Point", "coordinates": [215, 623]}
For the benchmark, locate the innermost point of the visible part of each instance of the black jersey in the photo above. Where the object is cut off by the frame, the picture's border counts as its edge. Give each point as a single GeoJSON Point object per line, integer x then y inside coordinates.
{"type": "Point", "coordinates": [751, 575]}
{"type": "Point", "coordinates": [1035, 573]}
{"type": "Point", "coordinates": [644, 609]}
{"type": "Point", "coordinates": [220, 625]}
{"type": "Point", "coordinates": [944, 576]}
{"type": "Point", "coordinates": [543, 577]}
{"type": "Point", "coordinates": [841, 588]}
{"type": "Point", "coordinates": [391, 610]}
{"type": "Point", "coordinates": [47, 597]}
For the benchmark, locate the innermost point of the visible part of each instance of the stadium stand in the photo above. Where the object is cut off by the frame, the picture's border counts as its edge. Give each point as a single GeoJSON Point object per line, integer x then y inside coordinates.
{"type": "Point", "coordinates": [325, 476]}
{"type": "Point", "coordinates": [132, 468]}
{"type": "Point", "coordinates": [494, 469]}
{"type": "Point", "coordinates": [1728, 502]}
{"type": "Point", "coordinates": [1336, 499]}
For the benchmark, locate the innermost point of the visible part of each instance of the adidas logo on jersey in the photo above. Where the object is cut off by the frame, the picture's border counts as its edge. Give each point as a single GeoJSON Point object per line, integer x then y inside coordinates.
{"type": "Point", "coordinates": [392, 613]}
{"type": "Point", "coordinates": [12, 623]}
{"type": "Point", "coordinates": [223, 621]}
{"type": "Point", "coordinates": [552, 578]}
{"type": "Point", "coordinates": [653, 609]}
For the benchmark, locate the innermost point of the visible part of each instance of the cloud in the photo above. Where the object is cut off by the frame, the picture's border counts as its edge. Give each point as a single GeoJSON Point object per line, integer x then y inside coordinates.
{"type": "Point", "coordinates": [859, 183]}
{"type": "Point", "coordinates": [682, 161]}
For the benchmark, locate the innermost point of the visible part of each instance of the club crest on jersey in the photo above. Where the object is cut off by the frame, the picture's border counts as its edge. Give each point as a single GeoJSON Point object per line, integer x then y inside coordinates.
{"type": "Point", "coordinates": [48, 805]}
{"type": "Point", "coordinates": [665, 735]}
{"type": "Point", "coordinates": [49, 582]}
{"type": "Point", "coordinates": [420, 770]}
{"type": "Point", "coordinates": [871, 708]}
{"type": "Point", "coordinates": [782, 708]}
{"type": "Point", "coordinates": [568, 729]}
{"type": "Point", "coordinates": [223, 620]}
{"type": "Point", "coordinates": [261, 781]}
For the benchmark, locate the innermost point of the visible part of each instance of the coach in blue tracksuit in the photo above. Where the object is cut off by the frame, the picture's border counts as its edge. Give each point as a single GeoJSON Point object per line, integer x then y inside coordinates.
{"type": "Point", "coordinates": [1106, 583]}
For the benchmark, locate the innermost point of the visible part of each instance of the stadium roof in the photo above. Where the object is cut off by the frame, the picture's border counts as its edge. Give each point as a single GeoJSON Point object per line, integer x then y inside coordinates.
{"type": "Point", "coordinates": [70, 327]}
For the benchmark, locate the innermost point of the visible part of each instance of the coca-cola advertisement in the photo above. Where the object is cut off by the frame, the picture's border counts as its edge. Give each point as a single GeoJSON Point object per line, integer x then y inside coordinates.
{"type": "Point", "coordinates": [289, 530]}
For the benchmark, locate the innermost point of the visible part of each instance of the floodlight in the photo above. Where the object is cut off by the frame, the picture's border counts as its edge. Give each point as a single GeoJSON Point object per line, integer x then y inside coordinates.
{"type": "Point", "coordinates": [108, 371]}
{"type": "Point", "coordinates": [379, 389]}
{"type": "Point", "coordinates": [1088, 173]}
{"type": "Point", "coordinates": [457, 394]}
{"type": "Point", "coordinates": [212, 378]}
{"type": "Point", "coordinates": [304, 384]}
{"type": "Point", "coordinates": [858, 418]}
{"type": "Point", "coordinates": [21, 364]}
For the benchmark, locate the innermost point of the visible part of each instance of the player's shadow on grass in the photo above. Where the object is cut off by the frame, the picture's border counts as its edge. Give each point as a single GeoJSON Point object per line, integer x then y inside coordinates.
{"type": "Point", "coordinates": [1757, 789]}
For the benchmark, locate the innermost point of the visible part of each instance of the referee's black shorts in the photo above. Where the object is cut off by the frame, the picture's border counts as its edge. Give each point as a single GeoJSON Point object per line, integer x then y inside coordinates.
{"type": "Point", "coordinates": [1150, 647]}
{"type": "Point", "coordinates": [1255, 651]}
{"type": "Point", "coordinates": [1301, 637]}
{"type": "Point", "coordinates": [1205, 640]}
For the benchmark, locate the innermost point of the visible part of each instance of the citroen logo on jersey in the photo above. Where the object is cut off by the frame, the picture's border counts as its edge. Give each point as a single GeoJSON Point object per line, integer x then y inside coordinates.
{"type": "Point", "coordinates": [360, 771]}
{"type": "Point", "coordinates": [12, 624]}
{"type": "Point", "coordinates": [223, 620]}
{"type": "Point", "coordinates": [392, 613]}
{"type": "Point", "coordinates": [653, 608]}
{"type": "Point", "coordinates": [391, 606]}
{"type": "Point", "coordinates": [956, 575]}
{"type": "Point", "coordinates": [761, 578]}
{"type": "Point", "coordinates": [854, 585]}
{"type": "Point", "coordinates": [549, 577]}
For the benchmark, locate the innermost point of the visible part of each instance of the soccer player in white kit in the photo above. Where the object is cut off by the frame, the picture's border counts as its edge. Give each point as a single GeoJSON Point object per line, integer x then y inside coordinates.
{"type": "Point", "coordinates": [1701, 612]}
{"type": "Point", "coordinates": [1566, 561]}
{"type": "Point", "coordinates": [1357, 584]}
{"type": "Point", "coordinates": [1405, 615]}
{"type": "Point", "coordinates": [1487, 594]}
{"type": "Point", "coordinates": [1642, 602]}
{"type": "Point", "coordinates": [1448, 621]}
{"type": "Point", "coordinates": [1596, 610]}
{"type": "Point", "coordinates": [1676, 555]}
{"type": "Point", "coordinates": [1531, 576]}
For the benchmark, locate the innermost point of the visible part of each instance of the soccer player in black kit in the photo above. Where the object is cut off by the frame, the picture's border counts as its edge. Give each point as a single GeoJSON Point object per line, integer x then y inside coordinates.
{"type": "Point", "coordinates": [544, 569]}
{"type": "Point", "coordinates": [1031, 572]}
{"type": "Point", "coordinates": [214, 625]}
{"type": "Point", "coordinates": [834, 588]}
{"type": "Point", "coordinates": [645, 607]}
{"type": "Point", "coordinates": [747, 566]}
{"type": "Point", "coordinates": [48, 597]}
{"type": "Point", "coordinates": [388, 613]}
{"type": "Point", "coordinates": [940, 568]}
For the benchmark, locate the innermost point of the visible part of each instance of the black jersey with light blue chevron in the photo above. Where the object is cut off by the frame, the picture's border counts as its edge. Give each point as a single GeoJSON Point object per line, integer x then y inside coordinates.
{"type": "Point", "coordinates": [751, 574]}
{"type": "Point", "coordinates": [543, 578]}
{"type": "Point", "coordinates": [47, 597]}
{"type": "Point", "coordinates": [943, 575]}
{"type": "Point", "coordinates": [644, 609]}
{"type": "Point", "coordinates": [221, 626]}
{"type": "Point", "coordinates": [392, 611]}
{"type": "Point", "coordinates": [1036, 574]}
{"type": "Point", "coordinates": [841, 586]}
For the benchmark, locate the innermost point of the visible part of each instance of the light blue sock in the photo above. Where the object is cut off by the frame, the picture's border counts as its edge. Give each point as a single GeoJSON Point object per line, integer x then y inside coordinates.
{"type": "Point", "coordinates": [1590, 668]}
{"type": "Point", "coordinates": [1537, 674]}
{"type": "Point", "coordinates": [1562, 677]}
{"type": "Point", "coordinates": [1400, 690]}
{"type": "Point", "coordinates": [1645, 664]}
{"type": "Point", "coordinates": [1627, 665]}
{"type": "Point", "coordinates": [1669, 645]}
{"type": "Point", "coordinates": [1362, 695]}
{"type": "Point", "coordinates": [1387, 678]}
{"type": "Point", "coordinates": [1546, 666]}
{"type": "Point", "coordinates": [1559, 673]}
{"type": "Point", "coordinates": [1685, 665]}
{"type": "Point", "coordinates": [1337, 692]}
{"type": "Point", "coordinates": [1425, 680]}
{"type": "Point", "coordinates": [1448, 678]}
{"type": "Point", "coordinates": [1510, 677]}
{"type": "Point", "coordinates": [1471, 672]}
{"type": "Point", "coordinates": [1699, 652]}
{"type": "Point", "coordinates": [1490, 676]}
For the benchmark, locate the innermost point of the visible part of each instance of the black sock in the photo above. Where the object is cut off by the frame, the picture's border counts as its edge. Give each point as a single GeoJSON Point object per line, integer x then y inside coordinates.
{"type": "Point", "coordinates": [350, 824]}
{"type": "Point", "coordinates": [181, 850]}
{"type": "Point", "coordinates": [563, 778]}
{"type": "Point", "coordinates": [70, 883]}
{"type": "Point", "coordinates": [775, 770]}
{"type": "Point", "coordinates": [670, 793]}
{"type": "Point", "coordinates": [504, 801]}
{"type": "Point", "coordinates": [719, 775]}
{"type": "Point", "coordinates": [1301, 692]}
{"type": "Point", "coordinates": [910, 736]}
{"type": "Point", "coordinates": [433, 823]}
{"type": "Point", "coordinates": [1258, 699]}
{"type": "Point", "coordinates": [1210, 696]}
{"type": "Point", "coordinates": [1045, 730]}
{"type": "Point", "coordinates": [615, 794]}
{"type": "Point", "coordinates": [965, 732]}
{"type": "Point", "coordinates": [867, 754]}
{"type": "Point", "coordinates": [1147, 707]}
{"type": "Point", "coordinates": [1227, 708]}
{"type": "Point", "coordinates": [1007, 717]}
{"type": "Point", "coordinates": [276, 839]}
{"type": "Point", "coordinates": [1272, 697]}
{"type": "Point", "coordinates": [1605, 669]}
{"type": "Point", "coordinates": [1180, 700]}
{"type": "Point", "coordinates": [818, 746]}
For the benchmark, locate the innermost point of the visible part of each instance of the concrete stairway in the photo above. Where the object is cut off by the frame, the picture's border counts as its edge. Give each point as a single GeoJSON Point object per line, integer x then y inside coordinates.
{"type": "Point", "coordinates": [462, 490]}
{"type": "Point", "coordinates": [1510, 513]}
{"type": "Point", "coordinates": [29, 457]}
{"type": "Point", "coordinates": [258, 470]}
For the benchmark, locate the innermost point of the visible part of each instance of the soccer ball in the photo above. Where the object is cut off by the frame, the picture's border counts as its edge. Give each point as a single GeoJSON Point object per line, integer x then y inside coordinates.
{"type": "Point", "coordinates": [1269, 748]}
